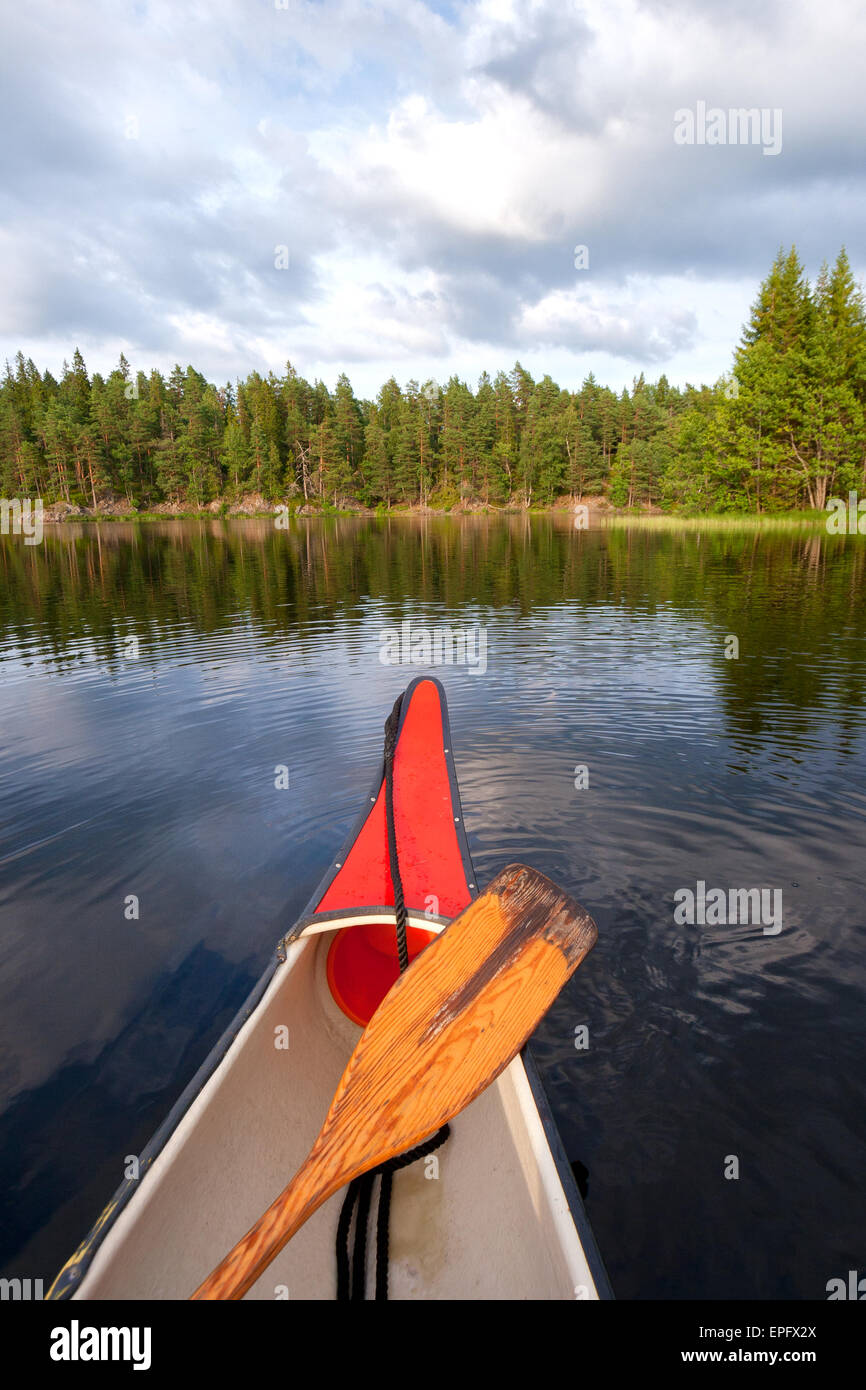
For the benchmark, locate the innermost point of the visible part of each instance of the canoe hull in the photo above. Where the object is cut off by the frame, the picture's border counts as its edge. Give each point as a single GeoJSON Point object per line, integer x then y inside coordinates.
{"type": "Point", "coordinates": [494, 1214]}
{"type": "Point", "coordinates": [487, 1220]}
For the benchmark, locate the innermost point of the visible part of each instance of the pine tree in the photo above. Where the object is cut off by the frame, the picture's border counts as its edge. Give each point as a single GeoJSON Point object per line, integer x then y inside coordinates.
{"type": "Point", "coordinates": [296, 404]}
{"type": "Point", "coordinates": [377, 463]}
{"type": "Point", "coordinates": [458, 438]}
{"type": "Point", "coordinates": [505, 443]}
{"type": "Point", "coordinates": [488, 478]}
{"type": "Point", "coordinates": [198, 450]}
{"type": "Point", "coordinates": [349, 431]}
{"type": "Point", "coordinates": [326, 456]}
{"type": "Point", "coordinates": [258, 455]}
{"type": "Point", "coordinates": [235, 458]}
{"type": "Point", "coordinates": [542, 457]}
{"type": "Point", "coordinates": [772, 367]}
{"type": "Point", "coordinates": [273, 475]}
{"type": "Point", "coordinates": [831, 448]}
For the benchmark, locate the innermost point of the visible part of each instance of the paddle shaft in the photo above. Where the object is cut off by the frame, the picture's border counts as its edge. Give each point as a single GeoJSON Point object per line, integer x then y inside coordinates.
{"type": "Point", "coordinates": [248, 1260]}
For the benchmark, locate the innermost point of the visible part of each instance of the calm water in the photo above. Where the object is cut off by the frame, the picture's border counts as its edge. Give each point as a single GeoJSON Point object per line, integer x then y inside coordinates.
{"type": "Point", "coordinates": [154, 776]}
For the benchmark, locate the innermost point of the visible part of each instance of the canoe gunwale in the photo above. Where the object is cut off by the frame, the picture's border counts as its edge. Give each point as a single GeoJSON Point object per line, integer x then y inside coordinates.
{"type": "Point", "coordinates": [344, 917]}
{"type": "Point", "coordinates": [71, 1275]}
{"type": "Point", "coordinates": [564, 1170]}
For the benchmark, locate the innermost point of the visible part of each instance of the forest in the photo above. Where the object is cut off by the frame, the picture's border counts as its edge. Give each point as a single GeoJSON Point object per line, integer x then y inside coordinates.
{"type": "Point", "coordinates": [785, 429]}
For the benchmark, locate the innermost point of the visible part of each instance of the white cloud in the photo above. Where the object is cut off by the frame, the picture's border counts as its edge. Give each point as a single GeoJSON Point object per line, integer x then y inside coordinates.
{"type": "Point", "coordinates": [429, 176]}
{"type": "Point", "coordinates": [643, 321]}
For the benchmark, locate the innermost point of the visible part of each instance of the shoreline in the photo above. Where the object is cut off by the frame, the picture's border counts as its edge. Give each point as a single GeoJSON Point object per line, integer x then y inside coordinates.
{"type": "Point", "coordinates": [60, 514]}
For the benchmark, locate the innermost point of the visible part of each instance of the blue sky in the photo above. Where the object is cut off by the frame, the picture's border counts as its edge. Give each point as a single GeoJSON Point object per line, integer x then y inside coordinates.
{"type": "Point", "coordinates": [429, 170]}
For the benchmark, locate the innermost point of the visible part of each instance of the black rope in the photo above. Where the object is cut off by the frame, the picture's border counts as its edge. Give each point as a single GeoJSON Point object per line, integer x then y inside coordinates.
{"type": "Point", "coordinates": [345, 1221]}
{"type": "Point", "coordinates": [362, 1216]}
{"type": "Point", "coordinates": [351, 1284]}
{"type": "Point", "coordinates": [383, 1236]}
{"type": "Point", "coordinates": [351, 1275]}
{"type": "Point", "coordinates": [391, 726]}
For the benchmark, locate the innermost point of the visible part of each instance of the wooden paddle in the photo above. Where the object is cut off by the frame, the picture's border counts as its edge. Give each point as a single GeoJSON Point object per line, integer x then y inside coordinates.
{"type": "Point", "coordinates": [452, 1022]}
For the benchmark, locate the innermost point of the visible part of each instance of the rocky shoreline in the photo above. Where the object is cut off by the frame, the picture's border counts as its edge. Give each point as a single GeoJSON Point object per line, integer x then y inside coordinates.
{"type": "Point", "coordinates": [254, 505]}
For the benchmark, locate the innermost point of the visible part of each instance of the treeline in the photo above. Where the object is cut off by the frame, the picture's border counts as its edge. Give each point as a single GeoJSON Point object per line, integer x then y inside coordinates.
{"type": "Point", "coordinates": [786, 428]}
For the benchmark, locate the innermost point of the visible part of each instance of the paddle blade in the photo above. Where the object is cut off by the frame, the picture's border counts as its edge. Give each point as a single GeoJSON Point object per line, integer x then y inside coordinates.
{"type": "Point", "coordinates": [452, 1022]}
{"type": "Point", "coordinates": [459, 1015]}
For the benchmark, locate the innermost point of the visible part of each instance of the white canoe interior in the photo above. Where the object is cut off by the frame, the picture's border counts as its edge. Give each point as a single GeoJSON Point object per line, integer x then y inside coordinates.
{"type": "Point", "coordinates": [494, 1223]}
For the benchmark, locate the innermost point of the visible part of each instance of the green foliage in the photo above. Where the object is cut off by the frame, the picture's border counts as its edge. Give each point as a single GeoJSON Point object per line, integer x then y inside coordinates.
{"type": "Point", "coordinates": [783, 431]}
{"type": "Point", "coordinates": [787, 430]}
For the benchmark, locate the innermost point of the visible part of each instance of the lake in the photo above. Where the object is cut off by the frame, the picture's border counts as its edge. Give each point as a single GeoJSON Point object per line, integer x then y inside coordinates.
{"type": "Point", "coordinates": [658, 708]}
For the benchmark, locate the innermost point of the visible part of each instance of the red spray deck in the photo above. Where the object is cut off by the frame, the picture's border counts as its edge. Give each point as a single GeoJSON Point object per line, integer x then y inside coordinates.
{"type": "Point", "coordinates": [435, 867]}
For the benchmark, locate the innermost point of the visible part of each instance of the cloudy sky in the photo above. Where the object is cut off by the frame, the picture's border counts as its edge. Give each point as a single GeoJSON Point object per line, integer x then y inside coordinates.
{"type": "Point", "coordinates": [389, 186]}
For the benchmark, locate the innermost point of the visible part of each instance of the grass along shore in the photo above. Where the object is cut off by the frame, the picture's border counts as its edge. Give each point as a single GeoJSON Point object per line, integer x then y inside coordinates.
{"type": "Point", "coordinates": [600, 513]}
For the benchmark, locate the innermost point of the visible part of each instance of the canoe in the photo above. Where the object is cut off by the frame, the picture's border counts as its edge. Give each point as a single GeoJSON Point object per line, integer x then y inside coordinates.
{"type": "Point", "coordinates": [493, 1214]}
